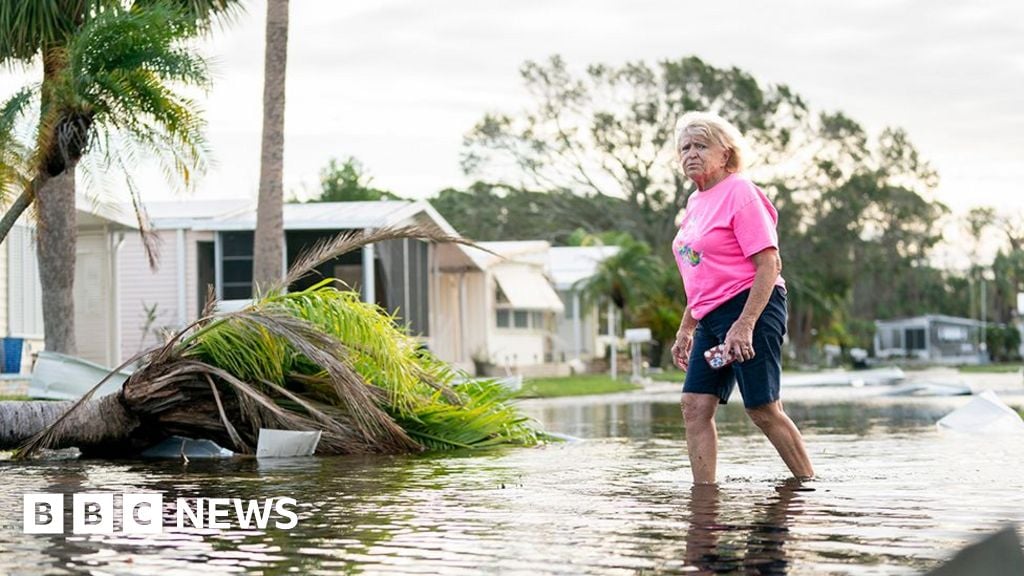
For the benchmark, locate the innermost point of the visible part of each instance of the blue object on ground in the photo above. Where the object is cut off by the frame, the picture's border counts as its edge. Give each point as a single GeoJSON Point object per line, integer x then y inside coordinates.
{"type": "Point", "coordinates": [12, 355]}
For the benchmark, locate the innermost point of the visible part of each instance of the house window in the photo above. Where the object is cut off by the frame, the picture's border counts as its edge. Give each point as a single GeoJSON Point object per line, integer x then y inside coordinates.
{"type": "Point", "coordinates": [915, 339]}
{"type": "Point", "coordinates": [520, 319]}
{"type": "Point", "coordinates": [236, 265]}
{"type": "Point", "coordinates": [504, 318]}
{"type": "Point", "coordinates": [513, 319]}
{"type": "Point", "coordinates": [953, 333]}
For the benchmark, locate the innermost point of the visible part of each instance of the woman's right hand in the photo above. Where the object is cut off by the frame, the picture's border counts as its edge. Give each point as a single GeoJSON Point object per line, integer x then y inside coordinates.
{"type": "Point", "coordinates": [681, 350]}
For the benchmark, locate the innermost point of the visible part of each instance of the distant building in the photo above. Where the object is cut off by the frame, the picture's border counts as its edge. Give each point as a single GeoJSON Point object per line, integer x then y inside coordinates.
{"type": "Point", "coordinates": [518, 308]}
{"type": "Point", "coordinates": [508, 307]}
{"type": "Point", "coordinates": [931, 338]}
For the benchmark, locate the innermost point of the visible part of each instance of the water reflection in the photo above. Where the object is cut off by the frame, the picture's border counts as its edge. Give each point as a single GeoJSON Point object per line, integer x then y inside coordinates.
{"type": "Point", "coordinates": [757, 548]}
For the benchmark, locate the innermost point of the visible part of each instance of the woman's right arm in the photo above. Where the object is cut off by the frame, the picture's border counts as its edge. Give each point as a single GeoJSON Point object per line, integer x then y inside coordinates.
{"type": "Point", "coordinates": [684, 340]}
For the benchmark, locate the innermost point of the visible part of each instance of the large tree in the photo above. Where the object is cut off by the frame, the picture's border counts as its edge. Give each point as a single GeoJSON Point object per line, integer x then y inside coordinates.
{"type": "Point", "coordinates": [109, 71]}
{"type": "Point", "coordinates": [502, 212]}
{"type": "Point", "coordinates": [268, 248]}
{"type": "Point", "coordinates": [608, 134]}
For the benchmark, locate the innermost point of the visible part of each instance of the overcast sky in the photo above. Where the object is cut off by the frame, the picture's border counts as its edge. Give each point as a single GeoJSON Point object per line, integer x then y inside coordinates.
{"type": "Point", "coordinates": [397, 83]}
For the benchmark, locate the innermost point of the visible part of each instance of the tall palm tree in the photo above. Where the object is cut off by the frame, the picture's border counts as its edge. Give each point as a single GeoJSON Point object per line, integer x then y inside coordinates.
{"type": "Point", "coordinates": [108, 71]}
{"type": "Point", "coordinates": [269, 238]}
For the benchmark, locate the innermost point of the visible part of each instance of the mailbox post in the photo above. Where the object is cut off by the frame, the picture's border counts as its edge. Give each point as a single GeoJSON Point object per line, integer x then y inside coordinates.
{"type": "Point", "coordinates": [637, 337]}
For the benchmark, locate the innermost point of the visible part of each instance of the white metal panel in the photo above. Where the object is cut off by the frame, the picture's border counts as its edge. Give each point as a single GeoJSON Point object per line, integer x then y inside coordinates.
{"type": "Point", "coordinates": [24, 296]}
{"type": "Point", "coordinates": [141, 288]}
{"type": "Point", "coordinates": [92, 306]}
{"type": "Point", "coordinates": [4, 292]}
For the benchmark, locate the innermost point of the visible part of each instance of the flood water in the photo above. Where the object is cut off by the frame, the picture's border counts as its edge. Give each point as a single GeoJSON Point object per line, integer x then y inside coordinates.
{"type": "Point", "coordinates": [894, 496]}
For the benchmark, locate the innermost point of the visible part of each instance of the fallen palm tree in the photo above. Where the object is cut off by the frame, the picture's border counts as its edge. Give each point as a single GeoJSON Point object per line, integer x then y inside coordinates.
{"type": "Point", "coordinates": [319, 359]}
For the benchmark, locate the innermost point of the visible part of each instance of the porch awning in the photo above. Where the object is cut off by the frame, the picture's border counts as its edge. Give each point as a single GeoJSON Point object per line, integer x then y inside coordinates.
{"type": "Point", "coordinates": [527, 289]}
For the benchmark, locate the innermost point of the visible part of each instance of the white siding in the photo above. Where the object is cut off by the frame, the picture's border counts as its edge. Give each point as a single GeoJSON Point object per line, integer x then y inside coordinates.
{"type": "Point", "coordinates": [24, 310]}
{"type": "Point", "coordinates": [446, 339]}
{"type": "Point", "coordinates": [522, 349]}
{"type": "Point", "coordinates": [479, 310]}
{"type": "Point", "coordinates": [141, 288]}
{"type": "Point", "coordinates": [4, 289]}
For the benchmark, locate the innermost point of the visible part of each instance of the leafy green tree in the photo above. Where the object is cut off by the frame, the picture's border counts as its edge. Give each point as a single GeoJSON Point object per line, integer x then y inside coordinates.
{"type": "Point", "coordinates": [109, 71]}
{"type": "Point", "coordinates": [349, 182]}
{"type": "Point", "coordinates": [610, 133]}
{"type": "Point", "coordinates": [487, 211]}
{"type": "Point", "coordinates": [645, 288]}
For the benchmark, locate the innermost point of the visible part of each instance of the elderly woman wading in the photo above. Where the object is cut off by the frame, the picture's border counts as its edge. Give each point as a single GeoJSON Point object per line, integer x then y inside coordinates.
{"type": "Point", "coordinates": [727, 251]}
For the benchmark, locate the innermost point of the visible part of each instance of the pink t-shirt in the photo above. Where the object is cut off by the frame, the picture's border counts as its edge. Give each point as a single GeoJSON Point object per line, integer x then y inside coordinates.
{"type": "Point", "coordinates": [723, 227]}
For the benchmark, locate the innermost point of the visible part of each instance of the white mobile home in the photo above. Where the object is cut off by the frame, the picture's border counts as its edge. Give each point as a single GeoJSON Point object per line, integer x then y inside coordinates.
{"type": "Point", "coordinates": [932, 338]}
{"type": "Point", "coordinates": [505, 307]}
{"type": "Point", "coordinates": [208, 245]}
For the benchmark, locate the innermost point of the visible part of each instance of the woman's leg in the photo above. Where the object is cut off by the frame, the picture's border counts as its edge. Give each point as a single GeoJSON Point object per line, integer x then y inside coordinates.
{"type": "Point", "coordinates": [701, 435]}
{"type": "Point", "coordinates": [784, 435]}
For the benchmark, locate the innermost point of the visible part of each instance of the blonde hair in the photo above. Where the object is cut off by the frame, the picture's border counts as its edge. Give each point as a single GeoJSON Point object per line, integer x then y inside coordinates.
{"type": "Point", "coordinates": [717, 129]}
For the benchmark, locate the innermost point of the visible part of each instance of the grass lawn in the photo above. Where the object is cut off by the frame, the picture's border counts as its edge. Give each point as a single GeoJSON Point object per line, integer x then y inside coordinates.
{"type": "Point", "coordinates": [6, 398]}
{"type": "Point", "coordinates": [992, 368]}
{"type": "Point", "coordinates": [673, 375]}
{"type": "Point", "coordinates": [573, 386]}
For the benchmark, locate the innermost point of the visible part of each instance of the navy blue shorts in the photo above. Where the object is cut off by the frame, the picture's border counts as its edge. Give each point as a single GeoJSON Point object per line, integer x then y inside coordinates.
{"type": "Point", "coordinates": [758, 377]}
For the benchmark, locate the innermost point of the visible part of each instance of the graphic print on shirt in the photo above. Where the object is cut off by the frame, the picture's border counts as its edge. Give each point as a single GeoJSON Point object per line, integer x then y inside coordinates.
{"type": "Point", "coordinates": [689, 255]}
{"type": "Point", "coordinates": [683, 243]}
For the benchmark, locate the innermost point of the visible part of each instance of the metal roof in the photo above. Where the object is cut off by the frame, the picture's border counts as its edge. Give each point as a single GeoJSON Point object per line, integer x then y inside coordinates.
{"type": "Point", "coordinates": [240, 214]}
{"type": "Point", "coordinates": [929, 318]}
{"type": "Point", "coordinates": [526, 251]}
{"type": "Point", "coordinates": [568, 265]}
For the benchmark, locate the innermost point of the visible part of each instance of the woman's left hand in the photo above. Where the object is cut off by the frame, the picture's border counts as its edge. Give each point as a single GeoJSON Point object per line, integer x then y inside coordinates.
{"type": "Point", "coordinates": [739, 341]}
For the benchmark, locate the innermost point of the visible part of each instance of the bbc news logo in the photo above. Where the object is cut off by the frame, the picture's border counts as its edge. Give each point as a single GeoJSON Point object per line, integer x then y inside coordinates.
{"type": "Point", "coordinates": [143, 513]}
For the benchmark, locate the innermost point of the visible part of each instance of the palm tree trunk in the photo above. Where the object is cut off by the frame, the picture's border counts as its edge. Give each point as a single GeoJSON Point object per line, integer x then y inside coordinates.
{"type": "Point", "coordinates": [268, 246]}
{"type": "Point", "coordinates": [21, 203]}
{"type": "Point", "coordinates": [100, 423]}
{"type": "Point", "coordinates": [55, 245]}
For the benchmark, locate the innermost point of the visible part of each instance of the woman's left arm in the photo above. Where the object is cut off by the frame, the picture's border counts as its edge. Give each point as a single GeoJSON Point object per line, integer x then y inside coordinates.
{"type": "Point", "coordinates": [739, 341]}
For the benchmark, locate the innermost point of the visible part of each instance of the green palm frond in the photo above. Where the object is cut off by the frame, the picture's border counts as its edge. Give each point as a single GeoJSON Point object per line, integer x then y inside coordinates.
{"type": "Point", "coordinates": [25, 27]}
{"type": "Point", "coordinates": [325, 357]}
{"type": "Point", "coordinates": [14, 154]}
{"type": "Point", "coordinates": [484, 417]}
{"type": "Point", "coordinates": [124, 69]}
